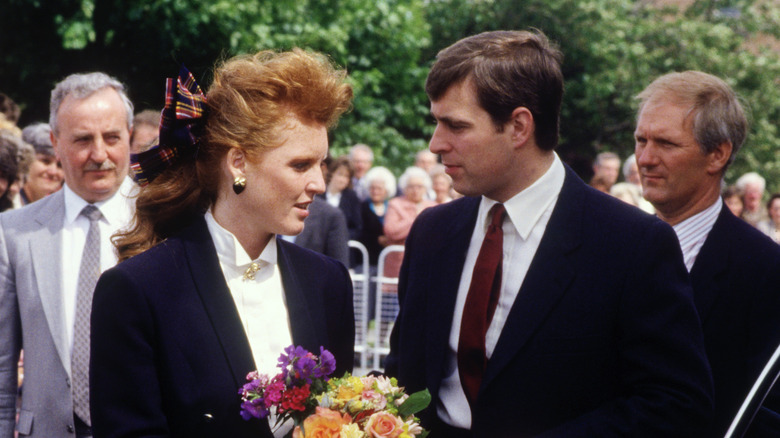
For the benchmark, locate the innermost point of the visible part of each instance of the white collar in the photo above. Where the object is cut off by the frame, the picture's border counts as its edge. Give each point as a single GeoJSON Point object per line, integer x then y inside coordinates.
{"type": "Point", "coordinates": [115, 210]}
{"type": "Point", "coordinates": [230, 251]}
{"type": "Point", "coordinates": [525, 208]}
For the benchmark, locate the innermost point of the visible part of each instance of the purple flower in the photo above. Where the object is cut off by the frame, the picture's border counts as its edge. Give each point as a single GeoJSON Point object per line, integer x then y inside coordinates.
{"type": "Point", "coordinates": [253, 409]}
{"type": "Point", "coordinates": [304, 368]}
{"type": "Point", "coordinates": [327, 364]}
{"type": "Point", "coordinates": [293, 354]}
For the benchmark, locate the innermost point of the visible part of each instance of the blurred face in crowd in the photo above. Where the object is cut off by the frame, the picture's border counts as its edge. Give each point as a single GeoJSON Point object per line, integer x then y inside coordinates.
{"type": "Point", "coordinates": [678, 178]}
{"type": "Point", "coordinates": [144, 135]}
{"type": "Point", "coordinates": [339, 180]}
{"type": "Point", "coordinates": [377, 191]}
{"type": "Point", "coordinates": [477, 156]}
{"type": "Point", "coordinates": [415, 189]}
{"type": "Point", "coordinates": [633, 174]}
{"type": "Point", "coordinates": [753, 196]}
{"type": "Point", "coordinates": [92, 142]}
{"type": "Point", "coordinates": [441, 185]}
{"type": "Point", "coordinates": [425, 161]}
{"type": "Point", "coordinates": [734, 203]}
{"type": "Point", "coordinates": [282, 182]}
{"type": "Point", "coordinates": [609, 169]}
{"type": "Point", "coordinates": [361, 162]}
{"type": "Point", "coordinates": [774, 211]}
{"type": "Point", "coordinates": [45, 177]}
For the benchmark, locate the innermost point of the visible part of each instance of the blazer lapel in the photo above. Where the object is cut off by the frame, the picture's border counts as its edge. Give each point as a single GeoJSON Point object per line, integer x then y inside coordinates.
{"type": "Point", "coordinates": [46, 256]}
{"type": "Point", "coordinates": [444, 281]}
{"type": "Point", "coordinates": [217, 300]}
{"type": "Point", "coordinates": [711, 265]}
{"type": "Point", "coordinates": [548, 277]}
{"type": "Point", "coordinates": [308, 327]}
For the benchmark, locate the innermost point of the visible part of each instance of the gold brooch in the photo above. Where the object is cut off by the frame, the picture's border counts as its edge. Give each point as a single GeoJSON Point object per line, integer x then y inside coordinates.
{"type": "Point", "coordinates": [249, 274]}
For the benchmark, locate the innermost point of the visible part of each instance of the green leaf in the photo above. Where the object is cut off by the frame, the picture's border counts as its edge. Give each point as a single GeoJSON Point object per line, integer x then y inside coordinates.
{"type": "Point", "coordinates": [415, 403]}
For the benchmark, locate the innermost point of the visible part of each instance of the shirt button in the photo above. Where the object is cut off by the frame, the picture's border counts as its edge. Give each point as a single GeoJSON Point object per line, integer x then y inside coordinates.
{"type": "Point", "coordinates": [208, 418]}
{"type": "Point", "coordinates": [70, 428]}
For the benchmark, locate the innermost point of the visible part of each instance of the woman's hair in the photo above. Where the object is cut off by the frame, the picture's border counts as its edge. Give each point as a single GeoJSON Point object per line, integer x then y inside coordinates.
{"type": "Point", "coordinates": [247, 107]}
{"type": "Point", "coordinates": [15, 158]}
{"type": "Point", "coordinates": [383, 174]}
{"type": "Point", "coordinates": [337, 164]}
{"type": "Point", "coordinates": [415, 172]}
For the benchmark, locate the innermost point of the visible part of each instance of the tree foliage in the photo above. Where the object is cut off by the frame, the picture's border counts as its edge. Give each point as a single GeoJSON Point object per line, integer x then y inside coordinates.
{"type": "Point", "coordinates": [612, 48]}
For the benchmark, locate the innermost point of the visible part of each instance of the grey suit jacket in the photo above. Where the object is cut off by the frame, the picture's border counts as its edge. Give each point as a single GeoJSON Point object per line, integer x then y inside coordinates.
{"type": "Point", "coordinates": [325, 231]}
{"type": "Point", "coordinates": [31, 317]}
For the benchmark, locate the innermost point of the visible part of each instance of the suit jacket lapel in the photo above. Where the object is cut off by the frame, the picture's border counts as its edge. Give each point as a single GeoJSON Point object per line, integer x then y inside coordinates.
{"type": "Point", "coordinates": [445, 278]}
{"type": "Point", "coordinates": [308, 327]}
{"type": "Point", "coordinates": [548, 276]}
{"type": "Point", "coordinates": [218, 302]}
{"type": "Point", "coordinates": [46, 259]}
{"type": "Point", "coordinates": [711, 265]}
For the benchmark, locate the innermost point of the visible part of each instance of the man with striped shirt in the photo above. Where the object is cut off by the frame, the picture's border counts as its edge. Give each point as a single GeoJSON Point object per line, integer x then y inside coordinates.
{"type": "Point", "coordinates": [689, 129]}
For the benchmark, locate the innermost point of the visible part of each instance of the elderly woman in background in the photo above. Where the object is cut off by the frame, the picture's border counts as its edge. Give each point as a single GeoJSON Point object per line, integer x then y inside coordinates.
{"type": "Point", "coordinates": [45, 175]}
{"type": "Point", "coordinates": [442, 184]}
{"type": "Point", "coordinates": [380, 185]}
{"type": "Point", "coordinates": [206, 292]}
{"type": "Point", "coordinates": [340, 194]}
{"type": "Point", "coordinates": [403, 210]}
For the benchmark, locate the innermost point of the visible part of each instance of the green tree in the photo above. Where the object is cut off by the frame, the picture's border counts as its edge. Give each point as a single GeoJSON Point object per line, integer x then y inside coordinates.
{"type": "Point", "coordinates": [614, 48]}
{"type": "Point", "coordinates": [142, 41]}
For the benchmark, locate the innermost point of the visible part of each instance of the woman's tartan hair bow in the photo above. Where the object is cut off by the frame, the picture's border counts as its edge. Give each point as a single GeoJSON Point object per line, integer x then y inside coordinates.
{"type": "Point", "coordinates": [185, 106]}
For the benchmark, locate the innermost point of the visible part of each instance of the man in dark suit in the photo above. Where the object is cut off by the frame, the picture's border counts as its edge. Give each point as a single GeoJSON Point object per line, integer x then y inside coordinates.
{"type": "Point", "coordinates": [689, 130]}
{"type": "Point", "coordinates": [585, 324]}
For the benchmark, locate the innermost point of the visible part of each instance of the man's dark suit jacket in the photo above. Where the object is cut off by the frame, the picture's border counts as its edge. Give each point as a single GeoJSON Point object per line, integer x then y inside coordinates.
{"type": "Point", "coordinates": [736, 285]}
{"type": "Point", "coordinates": [169, 352]}
{"type": "Point", "coordinates": [325, 231]}
{"type": "Point", "coordinates": [603, 339]}
{"type": "Point", "coordinates": [349, 204]}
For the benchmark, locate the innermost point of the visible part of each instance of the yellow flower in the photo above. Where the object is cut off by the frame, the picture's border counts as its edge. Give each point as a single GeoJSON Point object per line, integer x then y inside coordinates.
{"type": "Point", "coordinates": [351, 430]}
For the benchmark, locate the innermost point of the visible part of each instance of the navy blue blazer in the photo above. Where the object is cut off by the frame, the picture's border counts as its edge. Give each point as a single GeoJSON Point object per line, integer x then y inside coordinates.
{"type": "Point", "coordinates": [169, 352]}
{"type": "Point", "coordinates": [603, 339]}
{"type": "Point", "coordinates": [736, 285]}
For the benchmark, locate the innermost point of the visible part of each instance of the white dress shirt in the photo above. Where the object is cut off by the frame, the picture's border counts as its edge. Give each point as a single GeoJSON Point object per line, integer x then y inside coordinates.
{"type": "Point", "coordinates": [692, 232]}
{"type": "Point", "coordinates": [260, 301]}
{"type": "Point", "coordinates": [333, 199]}
{"type": "Point", "coordinates": [117, 212]}
{"type": "Point", "coordinates": [528, 213]}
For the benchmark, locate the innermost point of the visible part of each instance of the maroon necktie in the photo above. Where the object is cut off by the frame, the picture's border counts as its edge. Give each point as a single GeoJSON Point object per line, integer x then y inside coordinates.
{"type": "Point", "coordinates": [480, 305]}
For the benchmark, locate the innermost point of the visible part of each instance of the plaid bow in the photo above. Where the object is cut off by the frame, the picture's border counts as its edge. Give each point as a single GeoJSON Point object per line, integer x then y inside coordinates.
{"type": "Point", "coordinates": [184, 109]}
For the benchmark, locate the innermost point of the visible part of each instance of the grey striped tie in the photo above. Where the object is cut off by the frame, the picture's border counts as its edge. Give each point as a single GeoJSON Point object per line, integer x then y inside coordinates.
{"type": "Point", "coordinates": [88, 276]}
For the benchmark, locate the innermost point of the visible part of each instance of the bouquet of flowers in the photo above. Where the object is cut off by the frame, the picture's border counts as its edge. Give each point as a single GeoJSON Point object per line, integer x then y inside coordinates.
{"type": "Point", "coordinates": [346, 407]}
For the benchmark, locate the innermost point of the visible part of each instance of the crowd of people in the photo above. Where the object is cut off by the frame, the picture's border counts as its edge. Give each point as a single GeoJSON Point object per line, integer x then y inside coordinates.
{"type": "Point", "coordinates": [149, 261]}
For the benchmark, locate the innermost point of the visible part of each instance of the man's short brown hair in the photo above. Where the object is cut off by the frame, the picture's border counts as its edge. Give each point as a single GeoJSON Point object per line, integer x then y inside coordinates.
{"type": "Point", "coordinates": [509, 69]}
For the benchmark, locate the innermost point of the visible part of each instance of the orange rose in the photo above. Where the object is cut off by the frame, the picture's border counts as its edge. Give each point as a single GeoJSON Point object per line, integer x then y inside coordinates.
{"type": "Point", "coordinates": [324, 423]}
{"type": "Point", "coordinates": [384, 425]}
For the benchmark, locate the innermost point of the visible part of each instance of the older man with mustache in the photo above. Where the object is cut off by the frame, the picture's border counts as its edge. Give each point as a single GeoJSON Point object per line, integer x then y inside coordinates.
{"type": "Point", "coordinates": [51, 254]}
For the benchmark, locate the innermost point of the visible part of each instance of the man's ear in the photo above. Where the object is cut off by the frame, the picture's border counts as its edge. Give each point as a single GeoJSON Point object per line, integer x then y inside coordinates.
{"type": "Point", "coordinates": [522, 125]}
{"type": "Point", "coordinates": [718, 157]}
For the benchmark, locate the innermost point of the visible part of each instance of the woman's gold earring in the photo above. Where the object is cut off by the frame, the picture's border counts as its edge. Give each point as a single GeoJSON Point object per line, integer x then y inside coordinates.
{"type": "Point", "coordinates": [239, 184]}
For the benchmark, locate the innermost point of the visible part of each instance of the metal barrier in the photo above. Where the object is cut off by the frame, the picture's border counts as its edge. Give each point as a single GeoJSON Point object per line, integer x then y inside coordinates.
{"type": "Point", "coordinates": [388, 268]}
{"type": "Point", "coordinates": [361, 283]}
